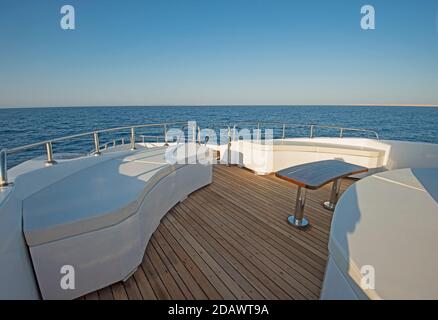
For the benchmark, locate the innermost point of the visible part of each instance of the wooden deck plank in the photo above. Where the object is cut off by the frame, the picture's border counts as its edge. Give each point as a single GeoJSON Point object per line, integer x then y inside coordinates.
{"type": "Point", "coordinates": [153, 277]}
{"type": "Point", "coordinates": [200, 278]}
{"type": "Point", "coordinates": [92, 296]}
{"type": "Point", "coordinates": [302, 239]}
{"type": "Point", "coordinates": [169, 282]}
{"type": "Point", "coordinates": [131, 289]}
{"type": "Point", "coordinates": [265, 215]}
{"type": "Point", "coordinates": [144, 286]}
{"type": "Point", "coordinates": [245, 266]}
{"type": "Point", "coordinates": [266, 199]}
{"type": "Point", "coordinates": [276, 187]}
{"type": "Point", "coordinates": [231, 240]}
{"type": "Point", "coordinates": [212, 271]}
{"type": "Point", "coordinates": [221, 257]}
{"type": "Point", "coordinates": [186, 293]}
{"type": "Point", "coordinates": [269, 250]}
{"type": "Point", "coordinates": [106, 294]}
{"type": "Point", "coordinates": [119, 292]}
{"type": "Point", "coordinates": [280, 243]}
{"type": "Point", "coordinates": [264, 259]}
{"type": "Point", "coordinates": [180, 267]}
{"type": "Point", "coordinates": [269, 199]}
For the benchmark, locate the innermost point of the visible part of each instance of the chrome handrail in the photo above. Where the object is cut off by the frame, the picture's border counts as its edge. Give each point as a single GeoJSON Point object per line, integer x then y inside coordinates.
{"type": "Point", "coordinates": [157, 138]}
{"type": "Point", "coordinates": [311, 127]}
{"type": "Point", "coordinates": [3, 168]}
{"type": "Point", "coordinates": [196, 136]}
{"type": "Point", "coordinates": [79, 135]}
{"type": "Point", "coordinates": [95, 134]}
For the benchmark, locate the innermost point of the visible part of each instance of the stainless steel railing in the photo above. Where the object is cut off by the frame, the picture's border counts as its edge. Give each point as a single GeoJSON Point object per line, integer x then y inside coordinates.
{"type": "Point", "coordinates": [196, 136]}
{"type": "Point", "coordinates": [3, 168]}
{"type": "Point", "coordinates": [311, 128]}
{"type": "Point", "coordinates": [94, 134]}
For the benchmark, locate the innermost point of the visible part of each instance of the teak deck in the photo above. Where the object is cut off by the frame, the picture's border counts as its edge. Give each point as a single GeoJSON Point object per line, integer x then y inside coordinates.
{"type": "Point", "coordinates": [231, 240]}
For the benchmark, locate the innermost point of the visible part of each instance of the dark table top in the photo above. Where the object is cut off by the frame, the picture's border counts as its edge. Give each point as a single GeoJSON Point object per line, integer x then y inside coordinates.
{"type": "Point", "coordinates": [316, 174]}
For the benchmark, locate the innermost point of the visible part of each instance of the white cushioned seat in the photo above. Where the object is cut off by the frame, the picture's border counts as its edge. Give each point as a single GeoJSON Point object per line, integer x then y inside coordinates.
{"type": "Point", "coordinates": [100, 218]}
{"type": "Point", "coordinates": [328, 148]}
{"type": "Point", "coordinates": [98, 197]}
{"type": "Point", "coordinates": [387, 221]}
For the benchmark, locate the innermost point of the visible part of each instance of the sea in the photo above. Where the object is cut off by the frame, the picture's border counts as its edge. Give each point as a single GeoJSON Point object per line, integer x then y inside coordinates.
{"type": "Point", "coordinates": [22, 126]}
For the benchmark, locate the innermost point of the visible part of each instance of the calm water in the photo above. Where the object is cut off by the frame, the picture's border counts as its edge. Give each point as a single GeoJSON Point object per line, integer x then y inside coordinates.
{"type": "Point", "coordinates": [25, 126]}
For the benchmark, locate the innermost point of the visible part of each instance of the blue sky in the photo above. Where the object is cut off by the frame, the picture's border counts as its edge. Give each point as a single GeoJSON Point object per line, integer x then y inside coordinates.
{"type": "Point", "coordinates": [207, 52]}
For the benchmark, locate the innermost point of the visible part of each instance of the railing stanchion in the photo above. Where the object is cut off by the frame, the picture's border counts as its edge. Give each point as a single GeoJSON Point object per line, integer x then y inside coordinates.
{"type": "Point", "coordinates": [341, 134]}
{"type": "Point", "coordinates": [311, 130]}
{"type": "Point", "coordinates": [165, 135]}
{"type": "Point", "coordinates": [284, 131]}
{"type": "Point", "coordinates": [229, 148]}
{"type": "Point", "coordinates": [132, 138]}
{"type": "Point", "coordinates": [258, 131]}
{"type": "Point", "coordinates": [114, 143]}
{"type": "Point", "coordinates": [49, 151]}
{"type": "Point", "coordinates": [3, 168]}
{"type": "Point", "coordinates": [96, 144]}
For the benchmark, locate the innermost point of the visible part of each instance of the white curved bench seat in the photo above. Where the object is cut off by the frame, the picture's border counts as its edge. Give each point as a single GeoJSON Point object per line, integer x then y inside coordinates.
{"type": "Point", "coordinates": [328, 148]}
{"type": "Point", "coordinates": [387, 221]}
{"type": "Point", "coordinates": [99, 219]}
{"type": "Point", "coordinates": [92, 199]}
{"type": "Point", "coordinates": [267, 158]}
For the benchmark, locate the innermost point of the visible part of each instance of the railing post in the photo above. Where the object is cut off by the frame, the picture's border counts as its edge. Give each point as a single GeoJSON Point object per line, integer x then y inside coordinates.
{"type": "Point", "coordinates": [3, 168]}
{"type": "Point", "coordinates": [258, 131]}
{"type": "Point", "coordinates": [341, 134]}
{"type": "Point", "coordinates": [132, 138]}
{"type": "Point", "coordinates": [165, 135]}
{"type": "Point", "coordinates": [123, 141]}
{"type": "Point", "coordinates": [284, 131]}
{"type": "Point", "coordinates": [114, 143]}
{"type": "Point", "coordinates": [199, 135]}
{"type": "Point", "coordinates": [96, 144]}
{"type": "Point", "coordinates": [311, 131]}
{"type": "Point", "coordinates": [49, 151]}
{"type": "Point", "coordinates": [229, 148]}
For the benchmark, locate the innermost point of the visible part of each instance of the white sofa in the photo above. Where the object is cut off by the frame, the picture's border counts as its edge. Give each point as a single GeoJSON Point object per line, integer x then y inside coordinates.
{"type": "Point", "coordinates": [265, 158]}
{"type": "Point", "coordinates": [387, 221]}
{"type": "Point", "coordinates": [95, 214]}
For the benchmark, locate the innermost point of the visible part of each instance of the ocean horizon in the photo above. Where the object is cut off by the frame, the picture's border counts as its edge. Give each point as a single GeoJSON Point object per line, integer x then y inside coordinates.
{"type": "Point", "coordinates": [22, 126]}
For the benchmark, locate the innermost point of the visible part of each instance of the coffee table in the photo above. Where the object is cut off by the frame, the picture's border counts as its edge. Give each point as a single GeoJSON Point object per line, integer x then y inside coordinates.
{"type": "Point", "coordinates": [313, 176]}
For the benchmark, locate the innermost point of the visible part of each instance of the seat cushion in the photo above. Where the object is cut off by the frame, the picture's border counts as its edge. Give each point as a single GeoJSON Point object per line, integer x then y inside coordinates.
{"type": "Point", "coordinates": [93, 198]}
{"type": "Point", "coordinates": [389, 221]}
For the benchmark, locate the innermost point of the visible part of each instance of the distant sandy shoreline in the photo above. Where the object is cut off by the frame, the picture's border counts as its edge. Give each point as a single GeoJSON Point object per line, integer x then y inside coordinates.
{"type": "Point", "coordinates": [227, 105]}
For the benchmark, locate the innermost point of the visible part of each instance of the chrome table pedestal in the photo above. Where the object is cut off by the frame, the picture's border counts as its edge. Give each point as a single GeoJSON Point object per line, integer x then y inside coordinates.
{"type": "Point", "coordinates": [298, 219]}
{"type": "Point", "coordinates": [334, 196]}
